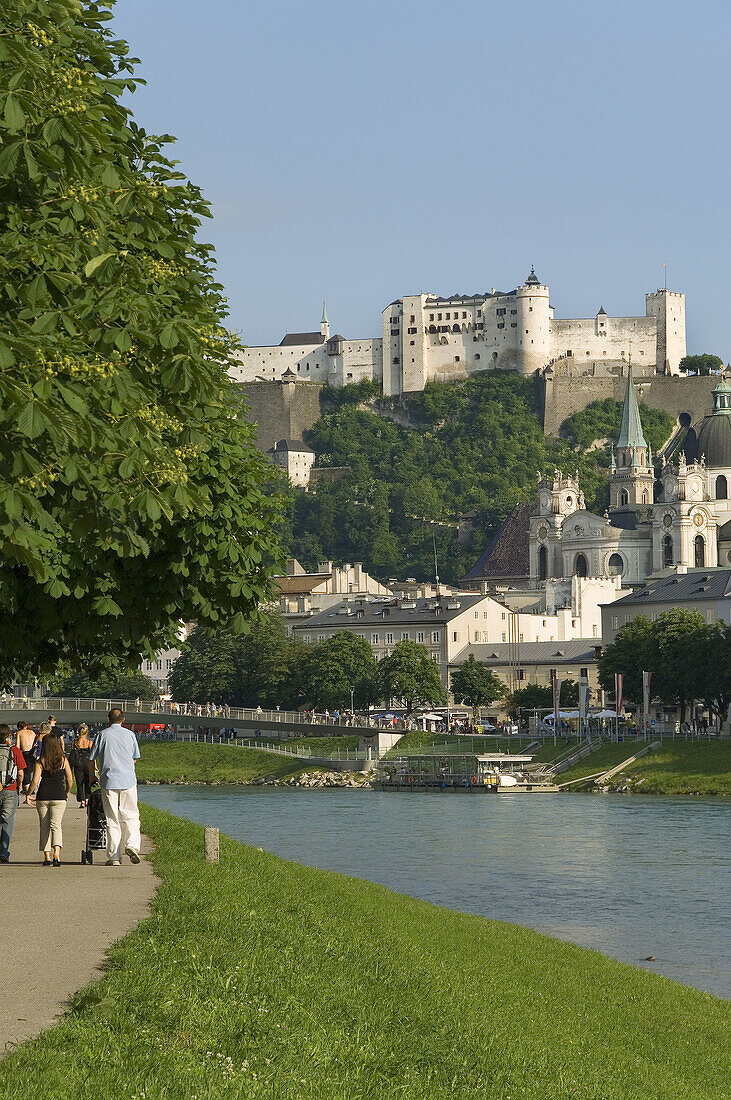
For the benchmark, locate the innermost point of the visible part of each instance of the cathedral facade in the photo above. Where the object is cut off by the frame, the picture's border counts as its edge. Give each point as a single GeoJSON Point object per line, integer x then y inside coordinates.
{"type": "Point", "coordinates": [675, 512]}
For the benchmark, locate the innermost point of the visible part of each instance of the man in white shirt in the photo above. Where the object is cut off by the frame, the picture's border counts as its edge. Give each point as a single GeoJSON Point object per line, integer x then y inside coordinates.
{"type": "Point", "coordinates": [116, 749]}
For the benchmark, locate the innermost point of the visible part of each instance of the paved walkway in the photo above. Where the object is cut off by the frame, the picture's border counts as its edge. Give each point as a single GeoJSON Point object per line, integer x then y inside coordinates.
{"type": "Point", "coordinates": [80, 909]}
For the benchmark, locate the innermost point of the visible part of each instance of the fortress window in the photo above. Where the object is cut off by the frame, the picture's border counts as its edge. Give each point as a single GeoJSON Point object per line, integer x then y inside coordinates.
{"type": "Point", "coordinates": [395, 359]}
{"type": "Point", "coordinates": [514, 324]}
{"type": "Point", "coordinates": [412, 318]}
{"type": "Point", "coordinates": [431, 316]}
{"type": "Point", "coordinates": [513, 312]}
{"type": "Point", "coordinates": [479, 313]}
{"type": "Point", "coordinates": [456, 359]}
{"type": "Point", "coordinates": [477, 356]}
{"type": "Point", "coordinates": [501, 325]}
{"type": "Point", "coordinates": [447, 316]}
{"type": "Point", "coordinates": [412, 342]}
{"type": "Point", "coordinates": [569, 353]}
{"type": "Point", "coordinates": [464, 314]}
{"type": "Point", "coordinates": [499, 312]}
{"type": "Point", "coordinates": [479, 325]}
{"type": "Point", "coordinates": [439, 316]}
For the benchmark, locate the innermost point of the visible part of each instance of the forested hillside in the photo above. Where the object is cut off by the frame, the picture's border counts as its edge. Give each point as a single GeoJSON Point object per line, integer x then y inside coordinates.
{"type": "Point", "coordinates": [476, 445]}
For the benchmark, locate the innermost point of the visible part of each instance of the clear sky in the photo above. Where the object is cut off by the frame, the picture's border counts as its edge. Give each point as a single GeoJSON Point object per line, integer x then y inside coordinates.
{"type": "Point", "coordinates": [358, 152]}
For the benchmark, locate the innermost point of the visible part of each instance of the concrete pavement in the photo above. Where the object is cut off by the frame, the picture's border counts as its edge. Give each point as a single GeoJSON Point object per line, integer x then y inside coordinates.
{"type": "Point", "coordinates": [78, 911]}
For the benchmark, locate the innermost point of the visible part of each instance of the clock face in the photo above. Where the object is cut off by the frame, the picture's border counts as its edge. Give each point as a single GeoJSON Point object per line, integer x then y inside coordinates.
{"type": "Point", "coordinates": [671, 484]}
{"type": "Point", "coordinates": [667, 519]}
{"type": "Point", "coordinates": [699, 519]}
{"type": "Point", "coordinates": [542, 532]}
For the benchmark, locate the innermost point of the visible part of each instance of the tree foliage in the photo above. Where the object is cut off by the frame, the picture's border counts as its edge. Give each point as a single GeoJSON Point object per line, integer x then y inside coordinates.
{"type": "Point", "coordinates": [130, 489]}
{"type": "Point", "coordinates": [475, 685]}
{"type": "Point", "coordinates": [701, 364]}
{"type": "Point", "coordinates": [411, 676]}
{"type": "Point", "coordinates": [336, 665]}
{"type": "Point", "coordinates": [113, 682]}
{"type": "Point", "coordinates": [689, 658]}
{"type": "Point", "coordinates": [263, 667]}
{"type": "Point", "coordinates": [473, 446]}
{"type": "Point", "coordinates": [602, 420]}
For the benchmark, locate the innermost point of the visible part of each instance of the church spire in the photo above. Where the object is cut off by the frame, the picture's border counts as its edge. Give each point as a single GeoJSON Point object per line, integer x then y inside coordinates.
{"type": "Point", "coordinates": [324, 323]}
{"type": "Point", "coordinates": [630, 432]}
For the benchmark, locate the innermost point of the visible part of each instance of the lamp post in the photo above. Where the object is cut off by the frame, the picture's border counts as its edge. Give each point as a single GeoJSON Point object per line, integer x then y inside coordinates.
{"type": "Point", "coordinates": [352, 707]}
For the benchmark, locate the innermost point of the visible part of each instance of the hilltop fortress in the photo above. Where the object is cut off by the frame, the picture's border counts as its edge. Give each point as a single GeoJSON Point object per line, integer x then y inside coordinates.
{"type": "Point", "coordinates": [432, 338]}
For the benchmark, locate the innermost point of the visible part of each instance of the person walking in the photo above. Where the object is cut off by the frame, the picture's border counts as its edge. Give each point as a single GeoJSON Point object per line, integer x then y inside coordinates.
{"type": "Point", "coordinates": [79, 761]}
{"type": "Point", "coordinates": [12, 765]}
{"type": "Point", "coordinates": [49, 790]}
{"type": "Point", "coordinates": [25, 739]}
{"type": "Point", "coordinates": [116, 749]}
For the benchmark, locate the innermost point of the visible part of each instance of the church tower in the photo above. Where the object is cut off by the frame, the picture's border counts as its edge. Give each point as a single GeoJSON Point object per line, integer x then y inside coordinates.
{"type": "Point", "coordinates": [324, 324]}
{"type": "Point", "coordinates": [632, 477]}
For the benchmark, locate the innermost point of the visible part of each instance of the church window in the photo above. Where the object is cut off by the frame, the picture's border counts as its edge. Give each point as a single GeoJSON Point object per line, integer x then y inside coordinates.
{"type": "Point", "coordinates": [581, 568]}
{"type": "Point", "coordinates": [667, 550]}
{"type": "Point", "coordinates": [644, 496]}
{"type": "Point", "coordinates": [699, 547]}
{"type": "Point", "coordinates": [623, 497]}
{"type": "Point", "coordinates": [542, 564]}
{"type": "Point", "coordinates": [721, 487]}
{"type": "Point", "coordinates": [615, 565]}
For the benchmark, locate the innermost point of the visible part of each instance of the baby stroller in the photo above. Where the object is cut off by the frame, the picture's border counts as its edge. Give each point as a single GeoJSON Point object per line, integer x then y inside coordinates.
{"type": "Point", "coordinates": [96, 826]}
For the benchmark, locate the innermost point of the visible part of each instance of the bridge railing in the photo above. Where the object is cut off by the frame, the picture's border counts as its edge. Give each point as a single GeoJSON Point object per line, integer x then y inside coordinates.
{"type": "Point", "coordinates": [51, 703]}
{"type": "Point", "coordinates": [340, 756]}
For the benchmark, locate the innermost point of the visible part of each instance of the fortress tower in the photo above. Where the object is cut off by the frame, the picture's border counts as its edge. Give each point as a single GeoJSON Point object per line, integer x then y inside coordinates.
{"type": "Point", "coordinates": [667, 308]}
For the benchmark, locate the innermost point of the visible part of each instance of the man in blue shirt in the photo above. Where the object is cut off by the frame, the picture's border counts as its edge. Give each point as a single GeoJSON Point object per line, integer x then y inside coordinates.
{"type": "Point", "coordinates": [116, 749]}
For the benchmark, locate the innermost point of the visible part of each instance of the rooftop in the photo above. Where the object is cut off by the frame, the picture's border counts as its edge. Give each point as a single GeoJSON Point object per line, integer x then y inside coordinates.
{"type": "Point", "coordinates": [507, 553]}
{"type": "Point", "coordinates": [495, 654]}
{"type": "Point", "coordinates": [695, 585]}
{"type": "Point", "coordinates": [383, 609]}
{"type": "Point", "coordinates": [300, 338]}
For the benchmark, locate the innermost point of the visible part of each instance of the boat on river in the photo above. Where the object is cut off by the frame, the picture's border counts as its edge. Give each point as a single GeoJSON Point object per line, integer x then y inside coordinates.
{"type": "Point", "coordinates": [493, 773]}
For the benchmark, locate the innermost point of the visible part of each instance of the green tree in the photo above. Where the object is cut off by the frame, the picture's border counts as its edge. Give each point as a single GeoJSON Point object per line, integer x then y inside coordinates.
{"type": "Point", "coordinates": [113, 682]}
{"type": "Point", "coordinates": [130, 488]}
{"type": "Point", "coordinates": [264, 667]}
{"type": "Point", "coordinates": [701, 364]}
{"type": "Point", "coordinates": [632, 652]}
{"type": "Point", "coordinates": [410, 675]}
{"type": "Point", "coordinates": [335, 666]}
{"type": "Point", "coordinates": [476, 686]}
{"type": "Point", "coordinates": [531, 697]}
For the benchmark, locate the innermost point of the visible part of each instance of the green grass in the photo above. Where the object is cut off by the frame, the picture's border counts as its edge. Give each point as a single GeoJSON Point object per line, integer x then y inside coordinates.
{"type": "Point", "coordinates": [188, 762]}
{"type": "Point", "coordinates": [259, 978]}
{"type": "Point", "coordinates": [418, 741]}
{"type": "Point", "coordinates": [679, 767]}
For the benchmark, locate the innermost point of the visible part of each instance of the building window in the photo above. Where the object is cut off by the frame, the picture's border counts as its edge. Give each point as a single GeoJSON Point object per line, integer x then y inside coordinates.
{"type": "Point", "coordinates": [699, 546]}
{"type": "Point", "coordinates": [389, 639]}
{"type": "Point", "coordinates": [580, 567]}
{"type": "Point", "coordinates": [420, 637]}
{"type": "Point", "coordinates": [667, 550]}
{"type": "Point", "coordinates": [623, 497]}
{"type": "Point", "coordinates": [455, 635]}
{"type": "Point", "coordinates": [375, 639]}
{"type": "Point", "coordinates": [584, 672]}
{"type": "Point", "coordinates": [521, 674]}
{"type": "Point", "coordinates": [616, 565]}
{"type": "Point", "coordinates": [435, 637]}
{"type": "Point", "coordinates": [404, 635]}
{"type": "Point", "coordinates": [505, 637]}
{"type": "Point", "coordinates": [721, 487]}
{"type": "Point", "coordinates": [542, 565]}
{"type": "Point", "coordinates": [435, 656]}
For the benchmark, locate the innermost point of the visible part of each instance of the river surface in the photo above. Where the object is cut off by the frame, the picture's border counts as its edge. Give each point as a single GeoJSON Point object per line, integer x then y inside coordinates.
{"type": "Point", "coordinates": [631, 876]}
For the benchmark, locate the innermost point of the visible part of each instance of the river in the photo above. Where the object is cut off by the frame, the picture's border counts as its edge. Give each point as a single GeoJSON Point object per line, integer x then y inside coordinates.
{"type": "Point", "coordinates": [630, 876]}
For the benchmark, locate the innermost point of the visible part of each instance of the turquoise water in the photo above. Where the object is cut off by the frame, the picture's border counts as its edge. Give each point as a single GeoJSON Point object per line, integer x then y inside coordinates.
{"type": "Point", "coordinates": [629, 876]}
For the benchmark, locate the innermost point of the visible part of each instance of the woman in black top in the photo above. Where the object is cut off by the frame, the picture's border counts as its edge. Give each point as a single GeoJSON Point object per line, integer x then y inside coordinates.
{"type": "Point", "coordinates": [49, 790]}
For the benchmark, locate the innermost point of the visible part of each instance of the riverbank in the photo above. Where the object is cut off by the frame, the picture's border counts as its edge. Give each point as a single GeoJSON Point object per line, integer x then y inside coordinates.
{"type": "Point", "coordinates": [676, 768]}
{"type": "Point", "coordinates": [193, 762]}
{"type": "Point", "coordinates": [258, 977]}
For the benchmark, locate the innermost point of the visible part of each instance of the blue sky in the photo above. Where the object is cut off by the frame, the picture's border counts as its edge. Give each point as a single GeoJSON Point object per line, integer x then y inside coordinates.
{"type": "Point", "coordinates": [358, 152]}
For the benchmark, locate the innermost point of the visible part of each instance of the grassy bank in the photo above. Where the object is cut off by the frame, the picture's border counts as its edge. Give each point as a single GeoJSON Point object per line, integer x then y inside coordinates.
{"type": "Point", "coordinates": [189, 762]}
{"type": "Point", "coordinates": [318, 746]}
{"type": "Point", "coordinates": [679, 767]}
{"type": "Point", "coordinates": [261, 978]}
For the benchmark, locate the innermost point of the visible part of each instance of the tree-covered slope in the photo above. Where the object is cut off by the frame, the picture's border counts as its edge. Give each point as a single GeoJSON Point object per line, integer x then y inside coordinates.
{"type": "Point", "coordinates": [475, 446]}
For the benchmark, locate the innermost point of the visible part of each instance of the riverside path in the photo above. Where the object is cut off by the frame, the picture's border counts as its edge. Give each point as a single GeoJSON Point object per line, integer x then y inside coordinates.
{"type": "Point", "coordinates": [60, 922]}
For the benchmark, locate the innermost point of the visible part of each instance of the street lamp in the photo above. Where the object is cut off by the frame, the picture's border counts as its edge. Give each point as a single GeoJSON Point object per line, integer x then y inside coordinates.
{"type": "Point", "coordinates": [352, 707]}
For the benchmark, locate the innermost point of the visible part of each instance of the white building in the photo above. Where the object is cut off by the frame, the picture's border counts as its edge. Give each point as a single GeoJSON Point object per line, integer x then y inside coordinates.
{"type": "Point", "coordinates": [302, 594]}
{"type": "Point", "coordinates": [429, 337]}
{"type": "Point", "coordinates": [449, 625]}
{"type": "Point", "coordinates": [295, 458]}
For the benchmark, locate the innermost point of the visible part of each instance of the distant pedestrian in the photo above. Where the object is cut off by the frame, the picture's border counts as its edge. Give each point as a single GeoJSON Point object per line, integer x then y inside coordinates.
{"type": "Point", "coordinates": [12, 765]}
{"type": "Point", "coordinates": [116, 749]}
{"type": "Point", "coordinates": [49, 791]}
{"type": "Point", "coordinates": [79, 761]}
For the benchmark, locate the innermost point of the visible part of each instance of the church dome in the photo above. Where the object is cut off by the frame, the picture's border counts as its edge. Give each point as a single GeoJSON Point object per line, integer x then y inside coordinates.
{"type": "Point", "coordinates": [713, 434]}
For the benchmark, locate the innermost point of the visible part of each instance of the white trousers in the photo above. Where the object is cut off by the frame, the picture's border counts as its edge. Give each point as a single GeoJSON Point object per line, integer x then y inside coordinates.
{"type": "Point", "coordinates": [123, 821]}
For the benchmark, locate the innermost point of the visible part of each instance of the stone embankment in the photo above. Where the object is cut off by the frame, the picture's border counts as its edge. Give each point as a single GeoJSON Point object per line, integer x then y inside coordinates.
{"type": "Point", "coordinates": [322, 779]}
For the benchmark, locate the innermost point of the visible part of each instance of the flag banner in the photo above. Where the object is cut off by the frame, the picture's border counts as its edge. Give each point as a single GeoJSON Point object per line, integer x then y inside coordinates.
{"type": "Point", "coordinates": [618, 691]}
{"type": "Point", "coordinates": [646, 680]}
{"type": "Point", "coordinates": [556, 702]}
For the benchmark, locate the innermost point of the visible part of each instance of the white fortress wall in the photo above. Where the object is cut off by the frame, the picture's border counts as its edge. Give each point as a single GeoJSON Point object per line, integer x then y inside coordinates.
{"type": "Point", "coordinates": [604, 337]}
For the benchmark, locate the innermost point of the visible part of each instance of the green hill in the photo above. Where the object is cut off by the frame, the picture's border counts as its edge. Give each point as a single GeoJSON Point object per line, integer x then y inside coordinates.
{"type": "Point", "coordinates": [472, 446]}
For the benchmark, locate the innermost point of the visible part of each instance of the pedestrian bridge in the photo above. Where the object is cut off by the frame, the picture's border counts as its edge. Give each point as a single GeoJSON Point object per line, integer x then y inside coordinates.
{"type": "Point", "coordinates": [184, 716]}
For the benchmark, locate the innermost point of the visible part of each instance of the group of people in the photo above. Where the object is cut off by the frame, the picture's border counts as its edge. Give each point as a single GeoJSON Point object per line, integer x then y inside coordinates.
{"type": "Point", "coordinates": [35, 764]}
